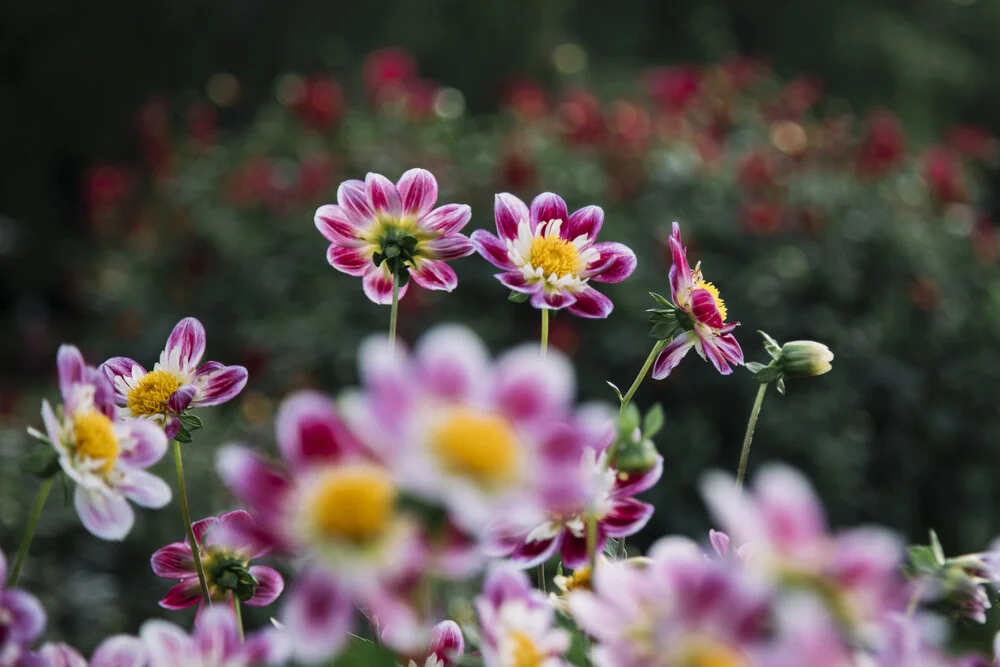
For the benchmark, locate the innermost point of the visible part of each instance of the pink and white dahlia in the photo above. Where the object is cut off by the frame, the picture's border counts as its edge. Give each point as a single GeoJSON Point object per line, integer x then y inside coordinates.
{"type": "Point", "coordinates": [106, 459]}
{"type": "Point", "coordinates": [518, 625]}
{"type": "Point", "coordinates": [679, 609]}
{"type": "Point", "coordinates": [375, 220]}
{"type": "Point", "coordinates": [335, 509]}
{"type": "Point", "coordinates": [177, 382]}
{"type": "Point", "coordinates": [215, 642]}
{"type": "Point", "coordinates": [782, 528]}
{"type": "Point", "coordinates": [460, 430]}
{"type": "Point", "coordinates": [701, 314]}
{"type": "Point", "coordinates": [552, 256]}
{"type": "Point", "coordinates": [117, 651]}
{"type": "Point", "coordinates": [446, 648]}
{"type": "Point", "coordinates": [22, 620]}
{"type": "Point", "coordinates": [227, 546]}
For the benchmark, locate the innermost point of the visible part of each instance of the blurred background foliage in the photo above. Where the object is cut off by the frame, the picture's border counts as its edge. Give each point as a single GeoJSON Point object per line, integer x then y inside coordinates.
{"type": "Point", "coordinates": [163, 160]}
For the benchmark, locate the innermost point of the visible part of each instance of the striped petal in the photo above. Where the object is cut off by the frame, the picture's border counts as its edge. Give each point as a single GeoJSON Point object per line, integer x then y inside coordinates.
{"type": "Point", "coordinates": [218, 384]}
{"type": "Point", "coordinates": [61, 655]}
{"type": "Point", "coordinates": [615, 263]}
{"type": "Point", "coordinates": [269, 585]}
{"type": "Point", "coordinates": [548, 206]}
{"type": "Point", "coordinates": [730, 349]}
{"type": "Point", "coordinates": [317, 616]}
{"type": "Point", "coordinates": [671, 355]}
{"type": "Point", "coordinates": [105, 515]}
{"type": "Point", "coordinates": [167, 645]}
{"type": "Point", "coordinates": [353, 201]}
{"type": "Point", "coordinates": [174, 561]}
{"type": "Point", "coordinates": [310, 432]}
{"type": "Point", "coordinates": [534, 553]}
{"type": "Point", "coordinates": [185, 345]}
{"type": "Point", "coordinates": [418, 190]}
{"type": "Point", "coordinates": [626, 517]}
{"type": "Point", "coordinates": [336, 226]}
{"type": "Point", "coordinates": [591, 304]}
{"type": "Point", "coordinates": [186, 593]}
{"type": "Point", "coordinates": [704, 308]}
{"type": "Point", "coordinates": [72, 368]}
{"type": "Point", "coordinates": [181, 399]}
{"type": "Point", "coordinates": [543, 299]}
{"type": "Point", "coordinates": [377, 285]}
{"type": "Point", "coordinates": [574, 548]}
{"type": "Point", "coordinates": [447, 643]}
{"type": "Point", "coordinates": [509, 212]}
{"type": "Point", "coordinates": [492, 248]}
{"type": "Point", "coordinates": [680, 271]}
{"type": "Point", "coordinates": [120, 651]}
{"type": "Point", "coordinates": [354, 261]}
{"type": "Point", "coordinates": [446, 219]}
{"type": "Point", "coordinates": [629, 484]}
{"type": "Point", "coordinates": [434, 274]}
{"type": "Point", "coordinates": [450, 246]}
{"type": "Point", "coordinates": [714, 354]}
{"type": "Point", "coordinates": [585, 222]}
{"type": "Point", "coordinates": [515, 280]}
{"type": "Point", "coordinates": [383, 196]}
{"type": "Point", "coordinates": [120, 367]}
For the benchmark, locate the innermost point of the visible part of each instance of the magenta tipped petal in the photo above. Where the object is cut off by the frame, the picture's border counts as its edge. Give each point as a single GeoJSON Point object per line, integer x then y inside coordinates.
{"type": "Point", "coordinates": [672, 354]}
{"type": "Point", "coordinates": [434, 274]}
{"type": "Point", "coordinates": [592, 304]}
{"type": "Point", "coordinates": [509, 212]}
{"type": "Point", "coordinates": [546, 207]}
{"type": "Point", "coordinates": [186, 343]}
{"type": "Point", "coordinates": [349, 260]}
{"type": "Point", "coordinates": [418, 190]}
{"type": "Point", "coordinates": [492, 248]}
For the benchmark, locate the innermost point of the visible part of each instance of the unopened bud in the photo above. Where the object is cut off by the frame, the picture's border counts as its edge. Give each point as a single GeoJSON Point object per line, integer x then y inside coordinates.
{"type": "Point", "coordinates": [636, 457]}
{"type": "Point", "coordinates": [805, 358]}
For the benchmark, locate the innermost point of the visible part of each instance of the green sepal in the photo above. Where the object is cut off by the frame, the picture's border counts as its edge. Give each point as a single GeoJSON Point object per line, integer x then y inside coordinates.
{"type": "Point", "coordinates": [755, 367]}
{"type": "Point", "coordinates": [771, 346]}
{"type": "Point", "coordinates": [663, 301]}
{"type": "Point", "coordinates": [191, 422]}
{"type": "Point", "coordinates": [183, 435]}
{"type": "Point", "coordinates": [780, 386]}
{"type": "Point", "coordinates": [518, 297]}
{"type": "Point", "coordinates": [653, 421]}
{"type": "Point", "coordinates": [618, 392]}
{"type": "Point", "coordinates": [42, 462]}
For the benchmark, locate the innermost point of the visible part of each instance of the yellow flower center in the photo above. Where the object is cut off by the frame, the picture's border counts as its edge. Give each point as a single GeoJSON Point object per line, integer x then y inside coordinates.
{"type": "Point", "coordinates": [525, 653]}
{"type": "Point", "coordinates": [714, 291]}
{"type": "Point", "coordinates": [151, 394]}
{"type": "Point", "coordinates": [579, 580]}
{"type": "Point", "coordinates": [355, 503]}
{"type": "Point", "coordinates": [480, 446]}
{"type": "Point", "coordinates": [94, 438]}
{"type": "Point", "coordinates": [554, 256]}
{"type": "Point", "coordinates": [710, 655]}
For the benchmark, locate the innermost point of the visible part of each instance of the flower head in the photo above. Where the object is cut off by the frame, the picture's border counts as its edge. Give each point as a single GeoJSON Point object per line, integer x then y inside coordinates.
{"type": "Point", "coordinates": [552, 256]}
{"type": "Point", "coordinates": [106, 459]}
{"type": "Point", "coordinates": [805, 358]}
{"type": "Point", "coordinates": [22, 620]}
{"type": "Point", "coordinates": [702, 315]}
{"type": "Point", "coordinates": [378, 227]}
{"type": "Point", "coordinates": [117, 651]}
{"type": "Point", "coordinates": [177, 382]}
{"type": "Point", "coordinates": [226, 552]}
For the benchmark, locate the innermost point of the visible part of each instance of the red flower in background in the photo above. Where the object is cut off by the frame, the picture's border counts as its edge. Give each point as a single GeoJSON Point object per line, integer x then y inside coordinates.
{"type": "Point", "coordinates": [972, 141]}
{"type": "Point", "coordinates": [762, 217]}
{"type": "Point", "coordinates": [105, 187]}
{"type": "Point", "coordinates": [517, 169]}
{"type": "Point", "coordinates": [581, 117]}
{"type": "Point", "coordinates": [321, 104]}
{"type": "Point", "coordinates": [526, 98]}
{"type": "Point", "coordinates": [154, 135]}
{"type": "Point", "coordinates": [387, 71]}
{"type": "Point", "coordinates": [202, 122]}
{"type": "Point", "coordinates": [756, 171]}
{"type": "Point", "coordinates": [673, 88]}
{"type": "Point", "coordinates": [883, 145]}
{"type": "Point", "coordinates": [741, 72]}
{"type": "Point", "coordinates": [316, 175]}
{"type": "Point", "coordinates": [799, 95]}
{"type": "Point", "coordinates": [942, 171]}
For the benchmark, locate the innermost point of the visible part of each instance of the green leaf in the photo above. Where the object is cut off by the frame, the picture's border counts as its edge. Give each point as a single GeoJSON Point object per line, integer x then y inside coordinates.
{"type": "Point", "coordinates": [767, 375]}
{"type": "Point", "coordinates": [771, 346]}
{"type": "Point", "coordinates": [663, 301]}
{"type": "Point", "coordinates": [183, 435]}
{"type": "Point", "coordinates": [936, 547]}
{"type": "Point", "coordinates": [191, 422]}
{"type": "Point", "coordinates": [922, 559]}
{"type": "Point", "coordinates": [618, 392]}
{"type": "Point", "coordinates": [518, 297]}
{"type": "Point", "coordinates": [653, 422]}
{"type": "Point", "coordinates": [42, 462]}
{"type": "Point", "coordinates": [755, 367]}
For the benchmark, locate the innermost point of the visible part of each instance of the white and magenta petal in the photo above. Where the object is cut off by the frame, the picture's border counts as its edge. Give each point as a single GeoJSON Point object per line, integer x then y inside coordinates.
{"type": "Point", "coordinates": [448, 247]}
{"type": "Point", "coordinates": [174, 561]}
{"type": "Point", "coordinates": [120, 651]}
{"type": "Point", "coordinates": [253, 482]}
{"type": "Point", "coordinates": [509, 212]}
{"type": "Point", "coordinates": [631, 484]}
{"type": "Point", "coordinates": [354, 202]}
{"type": "Point", "coordinates": [350, 260]}
{"type": "Point", "coordinates": [218, 384]}
{"type": "Point", "coordinates": [680, 271]}
{"type": "Point", "coordinates": [185, 345]}
{"type": "Point", "coordinates": [383, 196]}
{"type": "Point", "coordinates": [446, 219]}
{"type": "Point", "coordinates": [453, 363]}
{"type": "Point", "coordinates": [615, 263]}
{"type": "Point", "coordinates": [515, 281]}
{"type": "Point", "coordinates": [62, 655]}
{"type": "Point", "coordinates": [181, 399]}
{"type": "Point", "coordinates": [434, 274]}
{"type": "Point", "coordinates": [492, 248]}
{"type": "Point", "coordinates": [106, 515]}
{"type": "Point", "coordinates": [215, 635]}
{"type": "Point", "coordinates": [626, 517]}
{"type": "Point", "coordinates": [377, 285]}
{"type": "Point", "coordinates": [186, 593]}
{"type": "Point", "coordinates": [418, 190]}
{"type": "Point", "coordinates": [27, 617]}
{"type": "Point", "coordinates": [574, 548]}
{"type": "Point", "coordinates": [557, 300]}
{"type": "Point", "coordinates": [336, 226]}
{"type": "Point", "coordinates": [585, 222]}
{"type": "Point", "coordinates": [447, 643]}
{"type": "Point", "coordinates": [121, 367]}
{"type": "Point", "coordinates": [317, 616]}
{"type": "Point", "coordinates": [671, 355]}
{"type": "Point", "coordinates": [167, 645]}
{"type": "Point", "coordinates": [535, 552]}
{"type": "Point", "coordinates": [145, 489]}
{"type": "Point", "coordinates": [704, 308]}
{"type": "Point", "coordinates": [269, 585]}
{"type": "Point", "coordinates": [592, 304]}
{"type": "Point", "coordinates": [730, 349]}
{"type": "Point", "coordinates": [3, 567]}
{"type": "Point", "coordinates": [709, 351]}
{"type": "Point", "coordinates": [531, 387]}
{"type": "Point", "coordinates": [789, 507]}
{"type": "Point", "coordinates": [72, 368]}
{"type": "Point", "coordinates": [309, 431]}
{"type": "Point", "coordinates": [546, 207]}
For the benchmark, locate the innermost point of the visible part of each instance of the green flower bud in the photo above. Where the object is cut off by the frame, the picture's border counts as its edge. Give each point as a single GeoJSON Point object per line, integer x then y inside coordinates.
{"type": "Point", "coordinates": [635, 457]}
{"type": "Point", "coordinates": [805, 358]}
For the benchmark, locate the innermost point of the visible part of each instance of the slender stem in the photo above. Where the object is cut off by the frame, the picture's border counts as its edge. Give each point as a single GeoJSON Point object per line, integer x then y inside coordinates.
{"type": "Point", "coordinates": [239, 617]}
{"type": "Point", "coordinates": [911, 608]}
{"type": "Point", "coordinates": [660, 344]}
{"type": "Point", "coordinates": [394, 311]}
{"type": "Point", "coordinates": [29, 530]}
{"type": "Point", "coordinates": [545, 331]}
{"type": "Point", "coordinates": [741, 472]}
{"type": "Point", "coordinates": [541, 577]}
{"type": "Point", "coordinates": [186, 513]}
{"type": "Point", "coordinates": [592, 543]}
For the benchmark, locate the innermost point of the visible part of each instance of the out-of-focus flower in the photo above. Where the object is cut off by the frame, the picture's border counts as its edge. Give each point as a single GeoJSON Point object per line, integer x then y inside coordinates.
{"type": "Point", "coordinates": [177, 382]}
{"type": "Point", "coordinates": [378, 226]}
{"type": "Point", "coordinates": [202, 122]}
{"type": "Point", "coordinates": [701, 314]}
{"type": "Point", "coordinates": [105, 187]}
{"type": "Point", "coordinates": [757, 170]}
{"type": "Point", "coordinates": [680, 609]}
{"type": "Point", "coordinates": [972, 141]}
{"type": "Point", "coordinates": [226, 553]}
{"type": "Point", "coordinates": [214, 643]}
{"type": "Point", "coordinates": [883, 146]}
{"type": "Point", "coordinates": [527, 99]}
{"type": "Point", "coordinates": [762, 217]}
{"type": "Point", "coordinates": [386, 72]}
{"type": "Point", "coordinates": [336, 510]}
{"type": "Point", "coordinates": [942, 171]}
{"type": "Point", "coordinates": [446, 648]}
{"type": "Point", "coordinates": [315, 175]}
{"type": "Point", "coordinates": [22, 620]}
{"type": "Point", "coordinates": [117, 651]}
{"type": "Point", "coordinates": [518, 625]}
{"type": "Point", "coordinates": [321, 104]}
{"type": "Point", "coordinates": [552, 256]}
{"type": "Point", "coordinates": [805, 358]}
{"type": "Point", "coordinates": [673, 88]}
{"type": "Point", "coordinates": [105, 458]}
{"type": "Point", "coordinates": [581, 118]}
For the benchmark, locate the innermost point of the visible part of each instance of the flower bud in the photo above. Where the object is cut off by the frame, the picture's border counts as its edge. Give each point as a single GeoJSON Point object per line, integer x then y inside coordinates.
{"type": "Point", "coordinates": [636, 457]}
{"type": "Point", "coordinates": [805, 358]}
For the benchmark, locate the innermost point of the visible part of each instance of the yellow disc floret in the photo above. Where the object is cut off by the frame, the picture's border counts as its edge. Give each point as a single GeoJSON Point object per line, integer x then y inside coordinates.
{"type": "Point", "coordinates": [579, 580]}
{"type": "Point", "coordinates": [714, 291]}
{"type": "Point", "coordinates": [355, 503]}
{"type": "Point", "coordinates": [555, 256]}
{"type": "Point", "coordinates": [480, 446]}
{"type": "Point", "coordinates": [524, 652]}
{"type": "Point", "coordinates": [151, 393]}
{"type": "Point", "coordinates": [710, 655]}
{"type": "Point", "coordinates": [94, 438]}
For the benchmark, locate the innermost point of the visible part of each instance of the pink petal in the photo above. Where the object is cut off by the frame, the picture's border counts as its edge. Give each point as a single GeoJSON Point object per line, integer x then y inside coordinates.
{"type": "Point", "coordinates": [543, 299]}
{"type": "Point", "coordinates": [515, 280]}
{"type": "Point", "coordinates": [352, 261]}
{"type": "Point", "coordinates": [187, 342]}
{"type": "Point", "coordinates": [337, 226]}
{"type": "Point", "coordinates": [492, 248]}
{"type": "Point", "coordinates": [269, 586]}
{"type": "Point", "coordinates": [181, 399]}
{"type": "Point", "coordinates": [120, 651]}
{"type": "Point", "coordinates": [451, 246]}
{"type": "Point", "coordinates": [720, 542]}
{"type": "Point", "coordinates": [354, 203]}
{"type": "Point", "coordinates": [452, 363]}
{"type": "Point", "coordinates": [505, 582]}
{"type": "Point", "coordinates": [704, 309]}
{"type": "Point", "coordinates": [383, 196]}
{"type": "Point", "coordinates": [730, 349]}
{"type": "Point", "coordinates": [106, 516]}
{"type": "Point", "coordinates": [633, 484]}
{"type": "Point", "coordinates": [218, 384]}
{"type": "Point", "coordinates": [626, 517]}
{"type": "Point", "coordinates": [592, 304]}
{"type": "Point", "coordinates": [119, 367]}
{"type": "Point", "coordinates": [447, 643]}
{"type": "Point", "coordinates": [377, 285]}
{"type": "Point", "coordinates": [310, 431]}
{"type": "Point", "coordinates": [3, 567]}
{"type": "Point", "coordinates": [253, 482]}
{"type": "Point", "coordinates": [574, 549]}
{"type": "Point", "coordinates": [548, 206]}
{"type": "Point", "coordinates": [317, 616]}
{"type": "Point", "coordinates": [418, 190]}
{"type": "Point", "coordinates": [182, 595]}
{"type": "Point", "coordinates": [215, 634]}
{"type": "Point", "coordinates": [201, 528]}
{"type": "Point", "coordinates": [446, 219]}
{"type": "Point", "coordinates": [789, 507]}
{"type": "Point", "coordinates": [509, 211]}
{"type": "Point", "coordinates": [615, 263]}
{"type": "Point", "coordinates": [167, 644]}
{"type": "Point", "coordinates": [434, 274]}
{"type": "Point", "coordinates": [25, 616]}
{"type": "Point", "coordinates": [143, 442]}
{"type": "Point", "coordinates": [536, 552]}
{"type": "Point", "coordinates": [72, 368]}
{"type": "Point", "coordinates": [60, 655]}
{"type": "Point", "coordinates": [680, 272]}
{"type": "Point", "coordinates": [144, 489]}
{"type": "Point", "coordinates": [585, 222]}
{"type": "Point", "coordinates": [173, 561]}
{"type": "Point", "coordinates": [672, 354]}
{"type": "Point", "coordinates": [533, 388]}
{"type": "Point", "coordinates": [714, 354]}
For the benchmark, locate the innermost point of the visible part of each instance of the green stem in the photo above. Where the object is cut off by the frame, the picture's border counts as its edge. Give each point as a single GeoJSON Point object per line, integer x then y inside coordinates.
{"type": "Point", "coordinates": [592, 543]}
{"type": "Point", "coordinates": [239, 617]}
{"type": "Point", "coordinates": [660, 344]}
{"type": "Point", "coordinates": [394, 311]}
{"type": "Point", "coordinates": [186, 513]}
{"type": "Point", "coordinates": [741, 472]}
{"type": "Point", "coordinates": [545, 331]}
{"type": "Point", "coordinates": [29, 530]}
{"type": "Point", "coordinates": [541, 577]}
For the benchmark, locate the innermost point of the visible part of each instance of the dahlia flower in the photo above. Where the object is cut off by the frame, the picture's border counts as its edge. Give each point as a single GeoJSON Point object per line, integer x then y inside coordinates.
{"type": "Point", "coordinates": [680, 609]}
{"type": "Point", "coordinates": [215, 642]}
{"type": "Point", "coordinates": [552, 256]}
{"type": "Point", "coordinates": [106, 458]}
{"type": "Point", "coordinates": [518, 625]}
{"type": "Point", "coordinates": [336, 510]}
{"type": "Point", "coordinates": [701, 313]}
{"type": "Point", "coordinates": [22, 619]}
{"type": "Point", "coordinates": [376, 221]}
{"type": "Point", "coordinates": [226, 553]}
{"type": "Point", "coordinates": [177, 382]}
{"type": "Point", "coordinates": [459, 430]}
{"type": "Point", "coordinates": [117, 651]}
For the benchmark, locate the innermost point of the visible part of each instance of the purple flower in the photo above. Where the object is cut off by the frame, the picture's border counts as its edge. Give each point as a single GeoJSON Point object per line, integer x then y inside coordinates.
{"type": "Point", "coordinates": [117, 651]}
{"type": "Point", "coordinates": [702, 315]}
{"type": "Point", "coordinates": [552, 256]}
{"type": "Point", "coordinates": [446, 648]}
{"type": "Point", "coordinates": [106, 459]}
{"type": "Point", "coordinates": [177, 382]}
{"type": "Point", "coordinates": [374, 214]}
{"type": "Point", "coordinates": [22, 620]}
{"type": "Point", "coordinates": [214, 643]}
{"type": "Point", "coordinates": [227, 546]}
